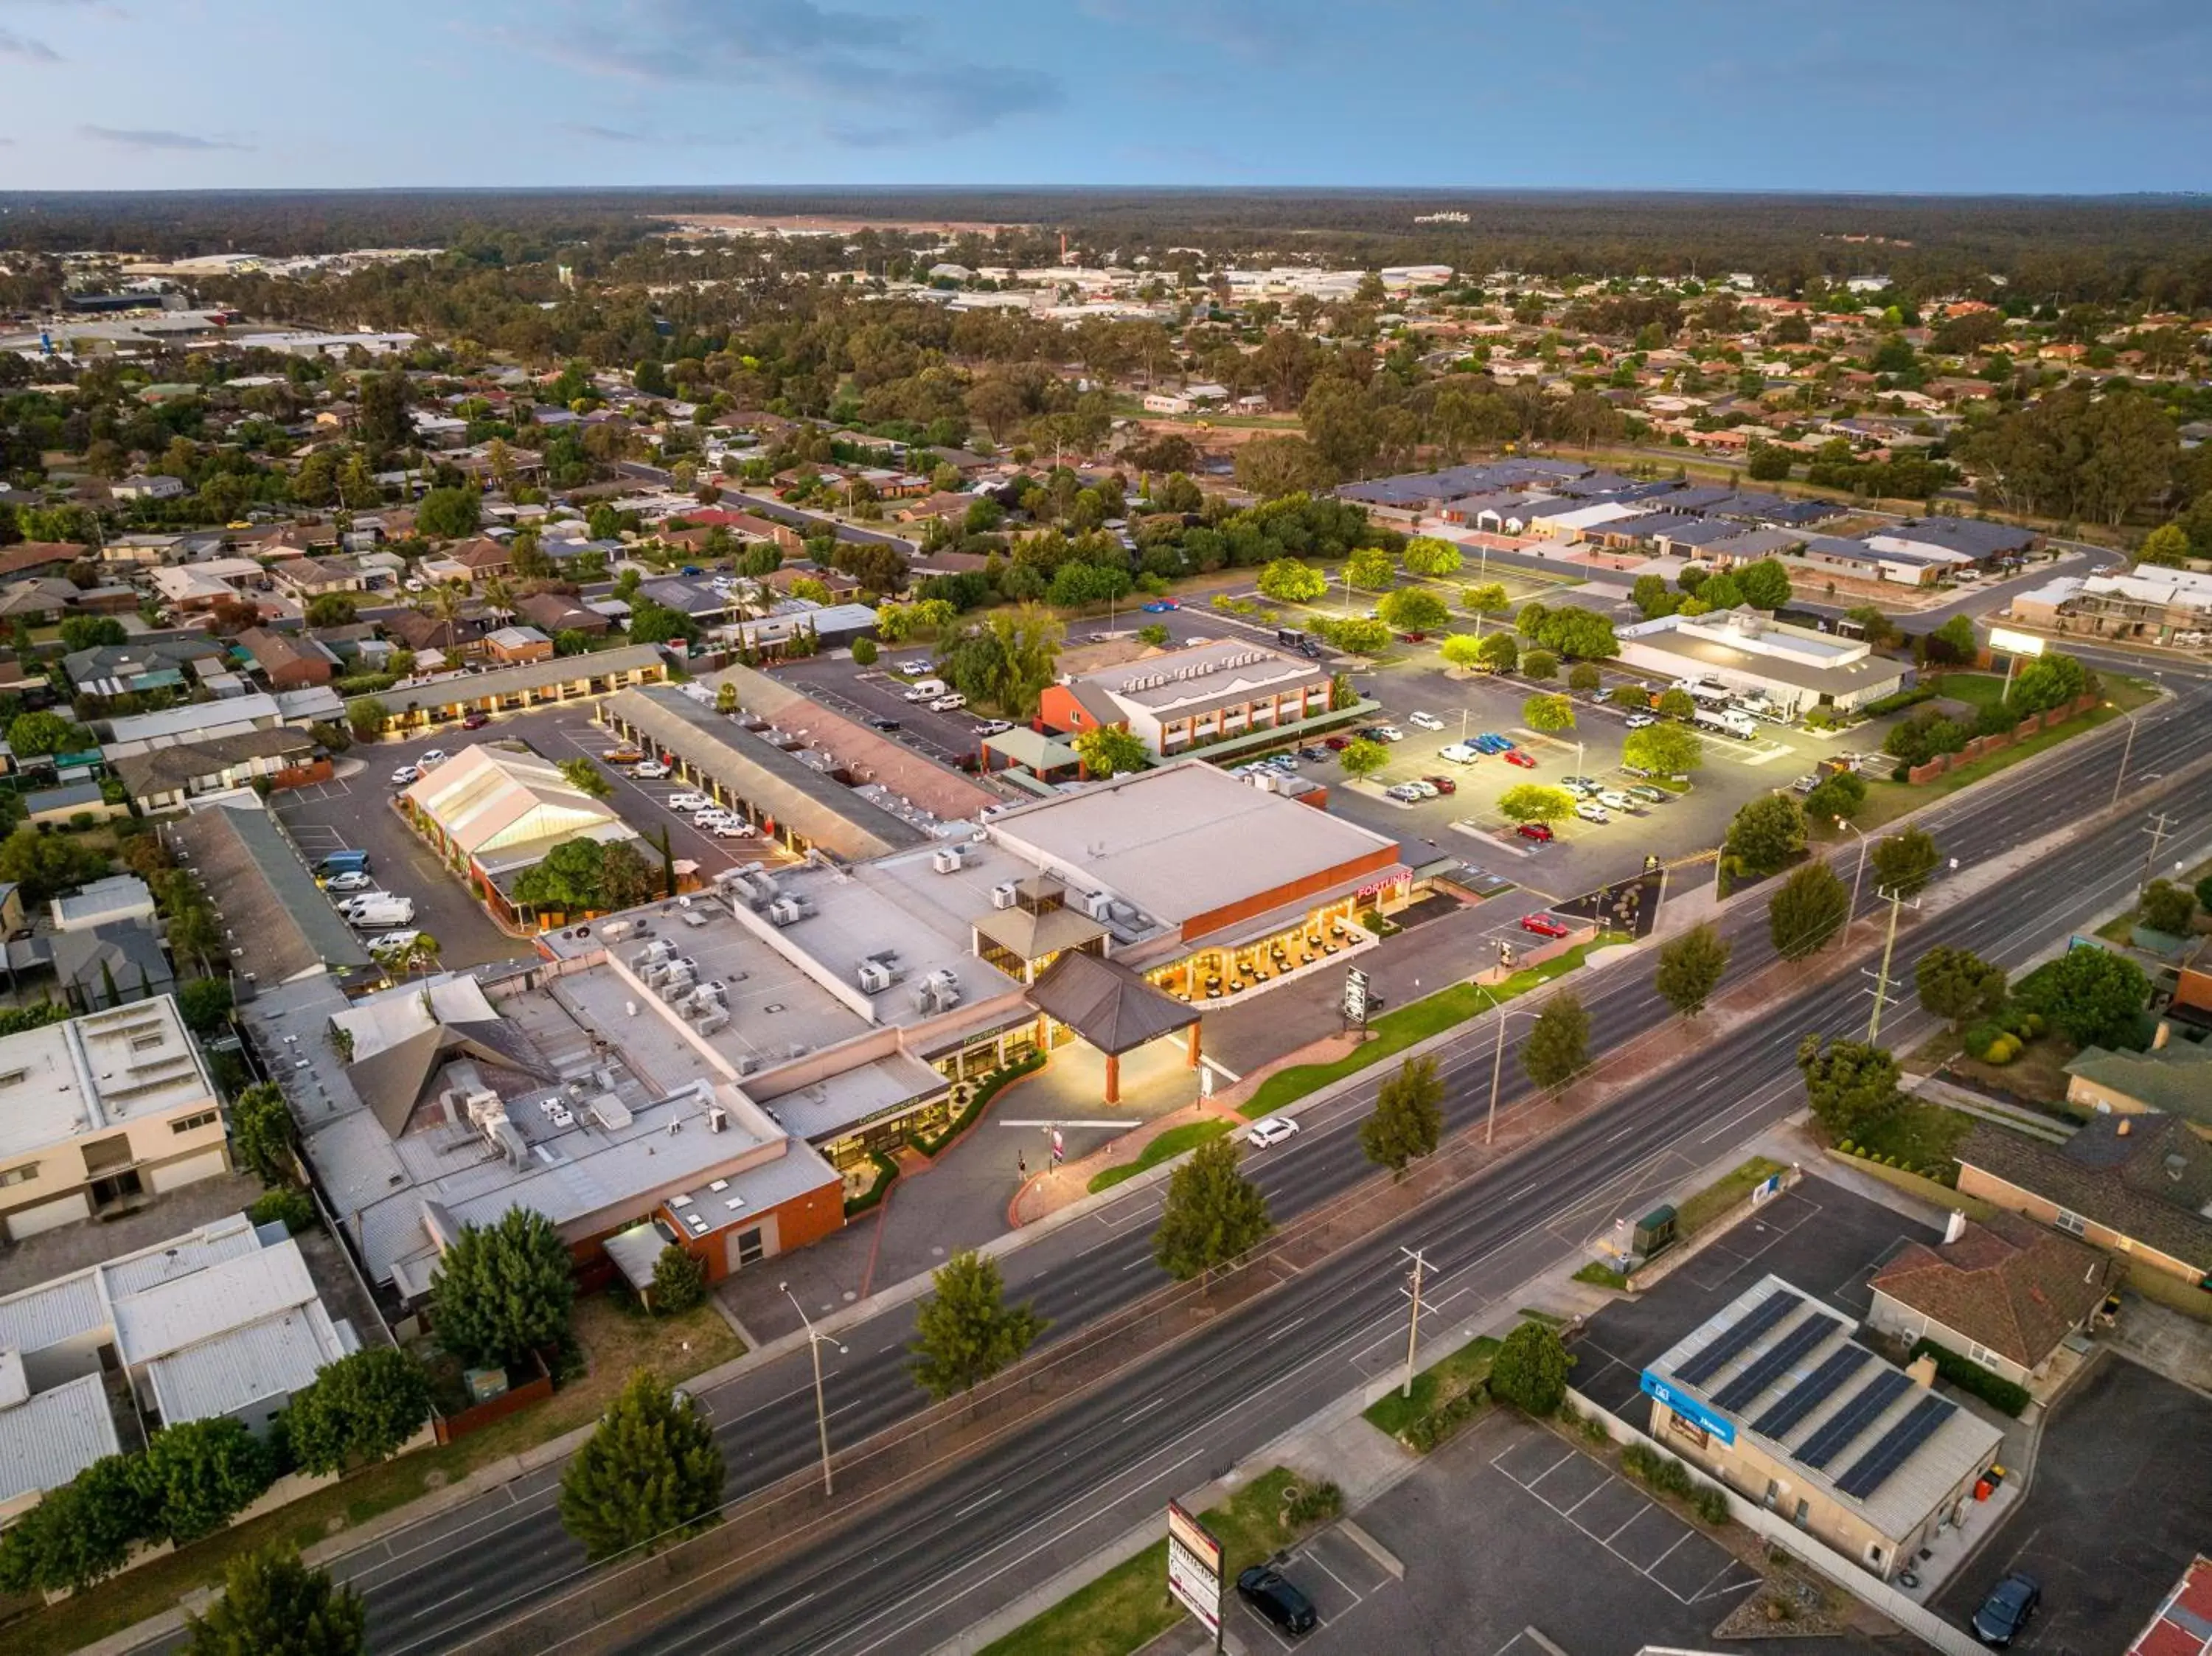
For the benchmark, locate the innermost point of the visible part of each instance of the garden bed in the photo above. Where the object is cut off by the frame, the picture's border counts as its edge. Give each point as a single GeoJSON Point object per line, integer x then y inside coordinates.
{"type": "Point", "coordinates": [1446, 1396]}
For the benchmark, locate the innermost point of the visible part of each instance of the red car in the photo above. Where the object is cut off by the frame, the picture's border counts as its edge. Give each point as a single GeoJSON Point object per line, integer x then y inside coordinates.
{"type": "Point", "coordinates": [1515, 756]}
{"type": "Point", "coordinates": [1413, 638]}
{"type": "Point", "coordinates": [1336, 744]}
{"type": "Point", "coordinates": [476, 721]}
{"type": "Point", "coordinates": [1442, 784]}
{"type": "Point", "coordinates": [1543, 925]}
{"type": "Point", "coordinates": [1537, 831]}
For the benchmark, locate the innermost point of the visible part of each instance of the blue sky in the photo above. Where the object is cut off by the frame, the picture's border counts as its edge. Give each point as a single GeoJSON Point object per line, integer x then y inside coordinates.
{"type": "Point", "coordinates": [1932, 96]}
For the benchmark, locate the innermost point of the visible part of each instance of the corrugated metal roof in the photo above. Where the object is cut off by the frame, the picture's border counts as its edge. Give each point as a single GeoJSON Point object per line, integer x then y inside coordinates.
{"type": "Point", "coordinates": [169, 1318]}
{"type": "Point", "coordinates": [536, 676]}
{"type": "Point", "coordinates": [47, 1441]}
{"type": "Point", "coordinates": [51, 1312]}
{"type": "Point", "coordinates": [268, 1359]}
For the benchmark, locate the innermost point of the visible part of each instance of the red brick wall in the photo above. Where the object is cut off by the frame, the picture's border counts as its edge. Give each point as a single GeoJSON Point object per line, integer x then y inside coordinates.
{"type": "Point", "coordinates": [299, 776]}
{"type": "Point", "coordinates": [1058, 710]}
{"type": "Point", "coordinates": [1199, 925]}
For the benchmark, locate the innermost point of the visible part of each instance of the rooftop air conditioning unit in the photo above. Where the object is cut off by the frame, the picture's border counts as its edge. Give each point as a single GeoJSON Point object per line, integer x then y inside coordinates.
{"type": "Point", "coordinates": [874, 977]}
{"type": "Point", "coordinates": [784, 911]}
{"type": "Point", "coordinates": [717, 1120]}
{"type": "Point", "coordinates": [949, 859]}
{"type": "Point", "coordinates": [1004, 896]}
{"type": "Point", "coordinates": [1098, 905]}
{"type": "Point", "coordinates": [714, 1022]}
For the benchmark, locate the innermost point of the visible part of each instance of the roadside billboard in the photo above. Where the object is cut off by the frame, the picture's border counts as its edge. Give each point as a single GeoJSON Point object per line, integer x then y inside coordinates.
{"type": "Point", "coordinates": [1195, 1568]}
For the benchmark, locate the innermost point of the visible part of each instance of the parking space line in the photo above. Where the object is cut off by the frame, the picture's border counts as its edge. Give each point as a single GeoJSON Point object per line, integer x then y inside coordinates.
{"type": "Point", "coordinates": [1606, 1541]}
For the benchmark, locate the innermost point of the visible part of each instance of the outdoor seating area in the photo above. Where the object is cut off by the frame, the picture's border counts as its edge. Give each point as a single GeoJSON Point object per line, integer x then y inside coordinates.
{"type": "Point", "coordinates": [1220, 974]}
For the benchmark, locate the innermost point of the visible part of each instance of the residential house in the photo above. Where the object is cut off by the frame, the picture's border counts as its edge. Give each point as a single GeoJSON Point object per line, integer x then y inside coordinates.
{"type": "Point", "coordinates": [2005, 1294]}
{"type": "Point", "coordinates": [307, 579]}
{"type": "Point", "coordinates": [2135, 1185]}
{"type": "Point", "coordinates": [2173, 1079]}
{"type": "Point", "coordinates": [111, 965]}
{"type": "Point", "coordinates": [482, 555]}
{"type": "Point", "coordinates": [552, 613]}
{"type": "Point", "coordinates": [164, 779]}
{"type": "Point", "coordinates": [695, 598]}
{"type": "Point", "coordinates": [102, 1109]}
{"type": "Point", "coordinates": [510, 647]}
{"type": "Point", "coordinates": [141, 488]}
{"type": "Point", "coordinates": [288, 662]}
{"type": "Point", "coordinates": [118, 898]}
{"type": "Point", "coordinates": [36, 601]}
{"type": "Point", "coordinates": [61, 807]}
{"type": "Point", "coordinates": [461, 637]}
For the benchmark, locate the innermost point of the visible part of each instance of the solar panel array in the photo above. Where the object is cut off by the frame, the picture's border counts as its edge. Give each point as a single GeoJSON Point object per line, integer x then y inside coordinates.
{"type": "Point", "coordinates": [1762, 1316]}
{"type": "Point", "coordinates": [1771, 1364]}
{"type": "Point", "coordinates": [1874, 1468]}
{"type": "Point", "coordinates": [1854, 1417]}
{"type": "Point", "coordinates": [1815, 1389]}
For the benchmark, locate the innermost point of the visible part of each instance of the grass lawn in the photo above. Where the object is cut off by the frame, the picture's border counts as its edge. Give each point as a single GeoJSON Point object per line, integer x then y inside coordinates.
{"type": "Point", "coordinates": [614, 1340]}
{"type": "Point", "coordinates": [1440, 1383]}
{"type": "Point", "coordinates": [1920, 1135]}
{"type": "Point", "coordinates": [1694, 1213]}
{"type": "Point", "coordinates": [1600, 1275]}
{"type": "Point", "coordinates": [1886, 801]}
{"type": "Point", "coordinates": [1976, 690]}
{"type": "Point", "coordinates": [1129, 1606]}
{"type": "Point", "coordinates": [1396, 1031]}
{"type": "Point", "coordinates": [1172, 1142]}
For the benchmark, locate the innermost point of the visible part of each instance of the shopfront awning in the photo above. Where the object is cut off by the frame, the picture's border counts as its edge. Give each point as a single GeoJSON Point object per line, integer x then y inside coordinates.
{"type": "Point", "coordinates": [1111, 1008]}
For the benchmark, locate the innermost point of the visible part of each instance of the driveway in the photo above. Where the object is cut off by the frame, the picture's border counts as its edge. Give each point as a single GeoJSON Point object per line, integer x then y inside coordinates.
{"type": "Point", "coordinates": [2121, 1503]}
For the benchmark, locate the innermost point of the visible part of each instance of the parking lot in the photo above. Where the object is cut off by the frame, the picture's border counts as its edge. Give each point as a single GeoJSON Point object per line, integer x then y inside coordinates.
{"type": "Point", "coordinates": [2121, 1501]}
{"type": "Point", "coordinates": [355, 813]}
{"type": "Point", "coordinates": [1511, 1539]}
{"type": "Point", "coordinates": [879, 692]}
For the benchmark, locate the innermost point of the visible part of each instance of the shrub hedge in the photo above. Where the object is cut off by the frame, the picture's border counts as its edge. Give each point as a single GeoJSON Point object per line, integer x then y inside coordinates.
{"type": "Point", "coordinates": [886, 1171]}
{"type": "Point", "coordinates": [1969, 1376]}
{"type": "Point", "coordinates": [986, 1090]}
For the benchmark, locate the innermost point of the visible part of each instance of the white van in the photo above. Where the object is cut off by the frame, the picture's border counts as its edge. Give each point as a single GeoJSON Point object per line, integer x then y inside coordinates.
{"type": "Point", "coordinates": [925, 689]}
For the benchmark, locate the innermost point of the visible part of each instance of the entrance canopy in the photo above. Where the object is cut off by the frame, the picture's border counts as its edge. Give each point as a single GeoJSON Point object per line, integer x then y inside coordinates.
{"type": "Point", "coordinates": [1107, 1005]}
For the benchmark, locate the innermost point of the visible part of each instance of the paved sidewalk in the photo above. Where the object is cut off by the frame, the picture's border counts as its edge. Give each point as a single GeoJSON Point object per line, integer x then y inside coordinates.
{"type": "Point", "coordinates": [1055, 1188]}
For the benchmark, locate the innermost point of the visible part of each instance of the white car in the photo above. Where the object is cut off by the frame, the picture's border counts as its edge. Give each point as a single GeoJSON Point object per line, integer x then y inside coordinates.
{"type": "Point", "coordinates": [733, 829]}
{"type": "Point", "coordinates": [1614, 799]}
{"type": "Point", "coordinates": [651, 771]}
{"type": "Point", "coordinates": [948, 704]}
{"type": "Point", "coordinates": [405, 776]}
{"type": "Point", "coordinates": [688, 802]}
{"type": "Point", "coordinates": [436, 756]}
{"type": "Point", "coordinates": [1273, 1129]}
{"type": "Point", "coordinates": [343, 883]}
{"type": "Point", "coordinates": [1459, 754]}
{"type": "Point", "coordinates": [1590, 813]}
{"type": "Point", "coordinates": [1423, 789]}
{"type": "Point", "coordinates": [913, 668]}
{"type": "Point", "coordinates": [1389, 733]}
{"type": "Point", "coordinates": [1425, 721]}
{"type": "Point", "coordinates": [994, 727]}
{"type": "Point", "coordinates": [1639, 721]}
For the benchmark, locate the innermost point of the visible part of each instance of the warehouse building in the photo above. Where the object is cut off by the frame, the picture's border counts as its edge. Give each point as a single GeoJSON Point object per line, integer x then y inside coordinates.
{"type": "Point", "coordinates": [1773, 1396]}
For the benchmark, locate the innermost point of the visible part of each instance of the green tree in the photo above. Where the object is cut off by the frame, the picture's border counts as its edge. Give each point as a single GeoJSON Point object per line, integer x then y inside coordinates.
{"type": "Point", "coordinates": [47, 865]}
{"type": "Point", "coordinates": [1851, 1086]}
{"type": "Point", "coordinates": [1808, 910]}
{"type": "Point", "coordinates": [2204, 894]}
{"type": "Point", "coordinates": [1110, 751]}
{"type": "Point", "coordinates": [1539, 664]}
{"type": "Point", "coordinates": [1904, 862]}
{"type": "Point", "coordinates": [1533, 802]}
{"type": "Point", "coordinates": [585, 777]}
{"type": "Point", "coordinates": [204, 1004]}
{"type": "Point", "coordinates": [1409, 1119]}
{"type": "Point", "coordinates": [1767, 834]}
{"type": "Point", "coordinates": [1212, 1216]}
{"type": "Point", "coordinates": [360, 1408]}
{"type": "Point", "coordinates": [1530, 1370]}
{"type": "Point", "coordinates": [1424, 554]}
{"type": "Point", "coordinates": [1500, 653]}
{"type": "Point", "coordinates": [272, 1604]}
{"type": "Point", "coordinates": [863, 652]}
{"type": "Point", "coordinates": [1152, 634]}
{"type": "Point", "coordinates": [1557, 1045]}
{"type": "Point", "coordinates": [965, 1332]}
{"type": "Point", "coordinates": [2167, 544]}
{"type": "Point", "coordinates": [384, 423]}
{"type": "Point", "coordinates": [1691, 967]}
{"type": "Point", "coordinates": [1288, 581]}
{"type": "Point", "coordinates": [2168, 907]}
{"type": "Point", "coordinates": [1875, 627]}
{"type": "Point", "coordinates": [368, 716]}
{"type": "Point", "coordinates": [92, 632]}
{"type": "Point", "coordinates": [1369, 569]}
{"type": "Point", "coordinates": [331, 609]}
{"type": "Point", "coordinates": [1663, 749]}
{"type": "Point", "coordinates": [79, 1533]}
{"type": "Point", "coordinates": [1958, 985]}
{"type": "Point", "coordinates": [502, 1291]}
{"type": "Point", "coordinates": [1677, 704]}
{"type": "Point", "coordinates": [1362, 758]}
{"type": "Point", "coordinates": [1839, 794]}
{"type": "Point", "coordinates": [33, 735]}
{"type": "Point", "coordinates": [1954, 643]}
{"type": "Point", "coordinates": [679, 1282]}
{"type": "Point", "coordinates": [1464, 650]}
{"type": "Point", "coordinates": [1413, 610]}
{"type": "Point", "coordinates": [725, 695]}
{"type": "Point", "coordinates": [2090, 996]}
{"type": "Point", "coordinates": [1548, 713]}
{"type": "Point", "coordinates": [2052, 680]}
{"type": "Point", "coordinates": [1583, 679]}
{"type": "Point", "coordinates": [1356, 636]}
{"type": "Point", "coordinates": [198, 1473]}
{"type": "Point", "coordinates": [262, 1133]}
{"type": "Point", "coordinates": [650, 1471]}
{"type": "Point", "coordinates": [1487, 599]}
{"type": "Point", "coordinates": [1342, 694]}
{"type": "Point", "coordinates": [1764, 584]}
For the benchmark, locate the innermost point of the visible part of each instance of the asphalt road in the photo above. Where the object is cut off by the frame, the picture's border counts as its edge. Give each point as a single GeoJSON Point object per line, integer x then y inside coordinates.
{"type": "Point", "coordinates": [951, 1554]}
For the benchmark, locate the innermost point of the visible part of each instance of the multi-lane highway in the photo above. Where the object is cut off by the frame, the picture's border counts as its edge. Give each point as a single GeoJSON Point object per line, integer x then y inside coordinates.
{"type": "Point", "coordinates": [917, 1569]}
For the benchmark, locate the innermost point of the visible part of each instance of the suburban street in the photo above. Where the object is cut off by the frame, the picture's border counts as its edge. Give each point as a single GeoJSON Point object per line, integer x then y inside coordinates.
{"type": "Point", "coordinates": [921, 1568]}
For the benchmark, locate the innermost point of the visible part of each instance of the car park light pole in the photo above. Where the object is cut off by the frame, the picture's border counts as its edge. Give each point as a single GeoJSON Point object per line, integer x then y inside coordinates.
{"type": "Point", "coordinates": [1496, 1060]}
{"type": "Point", "coordinates": [1856, 877]}
{"type": "Point", "coordinates": [815, 1342]}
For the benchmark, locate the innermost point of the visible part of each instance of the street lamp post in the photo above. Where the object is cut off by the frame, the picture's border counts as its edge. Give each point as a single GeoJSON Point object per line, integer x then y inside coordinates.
{"type": "Point", "coordinates": [1856, 877]}
{"type": "Point", "coordinates": [1496, 1062]}
{"type": "Point", "coordinates": [815, 1342]}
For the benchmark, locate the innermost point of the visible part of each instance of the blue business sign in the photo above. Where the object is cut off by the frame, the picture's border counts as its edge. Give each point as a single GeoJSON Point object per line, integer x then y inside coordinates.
{"type": "Point", "coordinates": [1689, 1408]}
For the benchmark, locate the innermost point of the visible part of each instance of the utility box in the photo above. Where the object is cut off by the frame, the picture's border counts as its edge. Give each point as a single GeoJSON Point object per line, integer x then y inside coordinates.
{"type": "Point", "coordinates": [1654, 1234]}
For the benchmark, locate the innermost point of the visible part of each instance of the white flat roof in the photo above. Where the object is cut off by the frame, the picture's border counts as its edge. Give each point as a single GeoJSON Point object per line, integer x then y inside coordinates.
{"type": "Point", "coordinates": [1183, 839]}
{"type": "Point", "coordinates": [98, 1070]}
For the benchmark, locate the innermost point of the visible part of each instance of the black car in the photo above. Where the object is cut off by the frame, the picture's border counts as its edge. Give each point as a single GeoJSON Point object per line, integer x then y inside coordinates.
{"type": "Point", "coordinates": [2004, 1614]}
{"type": "Point", "coordinates": [1274, 1597]}
{"type": "Point", "coordinates": [883, 723]}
